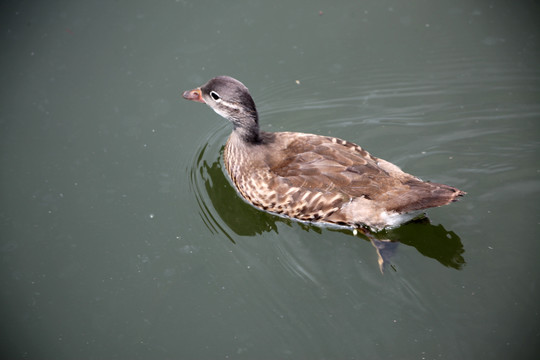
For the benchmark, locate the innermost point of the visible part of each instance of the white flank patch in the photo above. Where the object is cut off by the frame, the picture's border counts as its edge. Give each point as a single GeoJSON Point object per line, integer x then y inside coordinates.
{"type": "Point", "coordinates": [393, 219]}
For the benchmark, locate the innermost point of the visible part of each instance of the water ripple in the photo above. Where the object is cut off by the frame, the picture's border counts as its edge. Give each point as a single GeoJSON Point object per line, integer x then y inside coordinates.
{"type": "Point", "coordinates": [206, 152]}
{"type": "Point", "coordinates": [372, 96]}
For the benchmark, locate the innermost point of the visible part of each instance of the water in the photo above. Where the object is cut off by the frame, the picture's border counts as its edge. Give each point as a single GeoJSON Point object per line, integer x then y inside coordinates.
{"type": "Point", "coordinates": [121, 237]}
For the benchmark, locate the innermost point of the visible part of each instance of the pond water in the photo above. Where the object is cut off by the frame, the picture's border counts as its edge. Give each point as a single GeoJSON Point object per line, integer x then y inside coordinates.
{"type": "Point", "coordinates": [121, 236]}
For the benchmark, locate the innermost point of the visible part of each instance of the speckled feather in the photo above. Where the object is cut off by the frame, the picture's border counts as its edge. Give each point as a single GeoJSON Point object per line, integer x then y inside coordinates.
{"type": "Point", "coordinates": [316, 178]}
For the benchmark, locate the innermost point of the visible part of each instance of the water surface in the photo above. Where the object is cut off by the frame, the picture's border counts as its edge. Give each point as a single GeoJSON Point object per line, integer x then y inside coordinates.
{"type": "Point", "coordinates": [121, 236]}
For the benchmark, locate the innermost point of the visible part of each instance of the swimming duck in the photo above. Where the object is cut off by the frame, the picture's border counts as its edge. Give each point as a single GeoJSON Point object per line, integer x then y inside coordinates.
{"type": "Point", "coordinates": [313, 178]}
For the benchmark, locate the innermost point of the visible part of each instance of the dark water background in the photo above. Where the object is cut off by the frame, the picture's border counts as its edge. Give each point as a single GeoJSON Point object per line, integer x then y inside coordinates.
{"type": "Point", "coordinates": [121, 238]}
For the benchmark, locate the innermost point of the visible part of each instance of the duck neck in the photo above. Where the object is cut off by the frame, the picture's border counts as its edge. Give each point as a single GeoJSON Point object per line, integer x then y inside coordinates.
{"type": "Point", "coordinates": [247, 128]}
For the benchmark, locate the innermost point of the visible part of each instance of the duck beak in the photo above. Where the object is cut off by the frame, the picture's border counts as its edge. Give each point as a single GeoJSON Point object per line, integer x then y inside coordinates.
{"type": "Point", "coordinates": [194, 95]}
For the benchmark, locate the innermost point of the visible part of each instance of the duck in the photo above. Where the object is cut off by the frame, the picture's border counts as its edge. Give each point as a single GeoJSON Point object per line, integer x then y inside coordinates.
{"type": "Point", "coordinates": [312, 178]}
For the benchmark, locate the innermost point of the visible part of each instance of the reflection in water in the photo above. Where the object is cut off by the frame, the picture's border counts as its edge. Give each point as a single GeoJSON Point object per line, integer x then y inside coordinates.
{"type": "Point", "coordinates": [226, 203]}
{"type": "Point", "coordinates": [430, 240]}
{"type": "Point", "coordinates": [433, 241]}
{"type": "Point", "coordinates": [223, 210]}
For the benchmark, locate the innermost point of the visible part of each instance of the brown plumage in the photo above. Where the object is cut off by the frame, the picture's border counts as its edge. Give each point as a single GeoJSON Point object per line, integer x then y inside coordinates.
{"type": "Point", "coordinates": [310, 177]}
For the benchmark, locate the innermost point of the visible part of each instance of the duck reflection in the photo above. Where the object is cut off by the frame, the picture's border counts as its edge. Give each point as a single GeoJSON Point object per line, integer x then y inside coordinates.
{"type": "Point", "coordinates": [433, 241]}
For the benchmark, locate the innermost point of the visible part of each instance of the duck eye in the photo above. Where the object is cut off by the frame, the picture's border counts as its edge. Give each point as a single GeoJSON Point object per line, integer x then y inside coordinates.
{"type": "Point", "coordinates": [215, 95]}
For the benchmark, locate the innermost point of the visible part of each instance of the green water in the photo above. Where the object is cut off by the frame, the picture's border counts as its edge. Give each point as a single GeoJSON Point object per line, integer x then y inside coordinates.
{"type": "Point", "coordinates": [121, 237]}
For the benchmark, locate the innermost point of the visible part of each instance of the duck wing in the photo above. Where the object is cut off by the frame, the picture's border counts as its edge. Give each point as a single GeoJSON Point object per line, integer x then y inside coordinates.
{"type": "Point", "coordinates": [342, 171]}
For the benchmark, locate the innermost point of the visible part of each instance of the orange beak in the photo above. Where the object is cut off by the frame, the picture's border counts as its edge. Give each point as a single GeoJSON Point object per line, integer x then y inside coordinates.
{"type": "Point", "coordinates": [194, 95]}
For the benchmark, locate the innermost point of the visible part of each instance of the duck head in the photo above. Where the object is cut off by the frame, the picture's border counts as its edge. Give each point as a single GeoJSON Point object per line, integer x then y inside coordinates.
{"type": "Point", "coordinates": [231, 99]}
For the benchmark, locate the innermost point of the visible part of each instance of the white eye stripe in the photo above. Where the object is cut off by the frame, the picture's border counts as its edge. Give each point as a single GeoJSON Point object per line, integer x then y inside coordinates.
{"type": "Point", "coordinates": [215, 96]}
